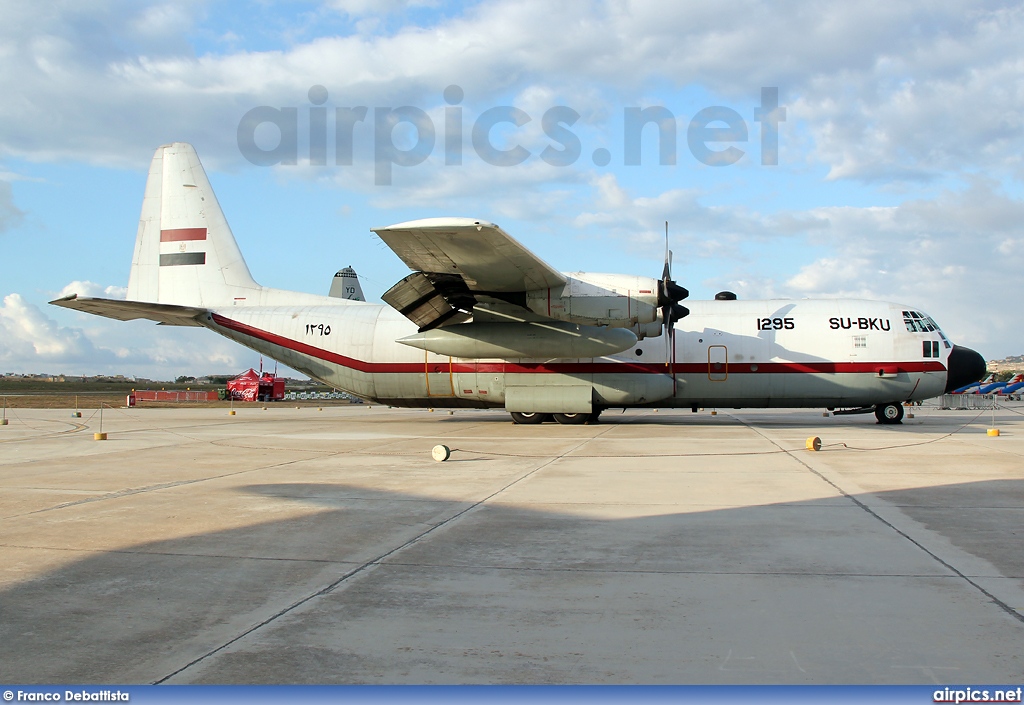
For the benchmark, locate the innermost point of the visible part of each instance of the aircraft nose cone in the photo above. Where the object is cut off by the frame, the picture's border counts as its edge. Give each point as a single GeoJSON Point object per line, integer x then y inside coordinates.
{"type": "Point", "coordinates": [964, 366]}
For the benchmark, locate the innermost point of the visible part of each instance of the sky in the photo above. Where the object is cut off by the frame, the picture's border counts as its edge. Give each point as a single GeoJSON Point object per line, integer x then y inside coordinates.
{"type": "Point", "coordinates": [578, 127]}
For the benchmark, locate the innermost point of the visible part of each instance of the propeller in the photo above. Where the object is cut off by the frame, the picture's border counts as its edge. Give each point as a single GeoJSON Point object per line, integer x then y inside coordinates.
{"type": "Point", "coordinates": [669, 296]}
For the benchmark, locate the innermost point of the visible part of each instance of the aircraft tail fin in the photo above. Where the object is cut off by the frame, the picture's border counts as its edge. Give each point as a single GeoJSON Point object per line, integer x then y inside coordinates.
{"type": "Point", "coordinates": [345, 285]}
{"type": "Point", "coordinates": [185, 253]}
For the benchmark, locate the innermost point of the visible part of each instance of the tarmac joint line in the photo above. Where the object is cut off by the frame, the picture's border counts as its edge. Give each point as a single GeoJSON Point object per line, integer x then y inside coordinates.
{"type": "Point", "coordinates": [863, 506]}
{"type": "Point", "coordinates": [374, 562]}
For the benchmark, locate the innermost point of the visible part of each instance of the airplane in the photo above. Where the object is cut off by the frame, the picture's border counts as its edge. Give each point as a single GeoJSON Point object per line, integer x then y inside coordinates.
{"type": "Point", "coordinates": [482, 322]}
{"type": "Point", "coordinates": [989, 388]}
{"type": "Point", "coordinates": [1009, 386]}
{"type": "Point", "coordinates": [973, 387]}
{"type": "Point", "coordinates": [994, 387]}
{"type": "Point", "coordinates": [1015, 390]}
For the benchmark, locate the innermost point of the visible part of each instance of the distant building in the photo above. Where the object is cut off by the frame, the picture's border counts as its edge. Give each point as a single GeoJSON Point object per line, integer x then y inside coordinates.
{"type": "Point", "coordinates": [1014, 363]}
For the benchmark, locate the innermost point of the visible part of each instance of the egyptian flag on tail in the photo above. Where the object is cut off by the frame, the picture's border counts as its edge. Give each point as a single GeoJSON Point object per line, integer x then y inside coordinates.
{"type": "Point", "coordinates": [182, 246]}
{"type": "Point", "coordinates": [185, 254]}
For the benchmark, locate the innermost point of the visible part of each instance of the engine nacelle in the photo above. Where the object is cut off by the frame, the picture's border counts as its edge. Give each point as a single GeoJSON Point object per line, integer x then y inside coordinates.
{"type": "Point", "coordinates": [613, 300]}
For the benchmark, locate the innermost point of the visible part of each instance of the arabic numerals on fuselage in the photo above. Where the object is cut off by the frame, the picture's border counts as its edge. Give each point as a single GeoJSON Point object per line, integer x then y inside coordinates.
{"type": "Point", "coordinates": [318, 329]}
{"type": "Point", "coordinates": [776, 324]}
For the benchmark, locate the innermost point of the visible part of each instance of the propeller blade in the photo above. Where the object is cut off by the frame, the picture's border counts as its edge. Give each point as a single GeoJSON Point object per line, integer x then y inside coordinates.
{"type": "Point", "coordinates": [672, 355]}
{"type": "Point", "coordinates": [666, 272]}
{"type": "Point", "coordinates": [668, 254]}
{"type": "Point", "coordinates": [669, 296]}
{"type": "Point", "coordinates": [668, 345]}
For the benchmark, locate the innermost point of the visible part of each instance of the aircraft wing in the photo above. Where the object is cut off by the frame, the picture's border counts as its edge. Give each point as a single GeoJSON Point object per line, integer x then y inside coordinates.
{"type": "Point", "coordinates": [486, 257]}
{"type": "Point", "coordinates": [458, 263]}
{"type": "Point", "coordinates": [165, 314]}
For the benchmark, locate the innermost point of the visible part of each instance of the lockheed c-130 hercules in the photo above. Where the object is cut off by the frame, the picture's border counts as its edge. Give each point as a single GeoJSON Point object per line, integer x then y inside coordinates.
{"type": "Point", "coordinates": [482, 322]}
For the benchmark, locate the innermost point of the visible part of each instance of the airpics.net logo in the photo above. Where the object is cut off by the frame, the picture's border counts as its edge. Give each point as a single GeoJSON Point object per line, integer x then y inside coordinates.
{"type": "Point", "coordinates": [406, 136]}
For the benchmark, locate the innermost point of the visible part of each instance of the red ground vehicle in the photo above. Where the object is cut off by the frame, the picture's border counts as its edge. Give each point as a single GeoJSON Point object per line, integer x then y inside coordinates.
{"type": "Point", "coordinates": [253, 386]}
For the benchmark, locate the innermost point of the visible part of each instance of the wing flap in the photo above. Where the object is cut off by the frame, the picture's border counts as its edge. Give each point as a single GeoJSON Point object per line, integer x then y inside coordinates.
{"type": "Point", "coordinates": [421, 301]}
{"type": "Point", "coordinates": [484, 255]}
{"type": "Point", "coordinates": [165, 314]}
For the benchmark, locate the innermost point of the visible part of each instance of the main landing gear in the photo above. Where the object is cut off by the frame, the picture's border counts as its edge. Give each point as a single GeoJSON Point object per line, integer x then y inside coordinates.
{"type": "Point", "coordinates": [529, 417]}
{"type": "Point", "coordinates": [889, 413]}
{"type": "Point", "coordinates": [532, 417]}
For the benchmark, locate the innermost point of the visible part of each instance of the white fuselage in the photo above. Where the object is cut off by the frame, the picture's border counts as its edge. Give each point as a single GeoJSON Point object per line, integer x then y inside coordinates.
{"type": "Point", "coordinates": [807, 353]}
{"type": "Point", "coordinates": [604, 333]}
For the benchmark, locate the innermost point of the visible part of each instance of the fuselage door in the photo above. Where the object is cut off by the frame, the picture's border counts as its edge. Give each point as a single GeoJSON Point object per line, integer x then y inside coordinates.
{"type": "Point", "coordinates": [718, 363]}
{"type": "Point", "coordinates": [480, 381]}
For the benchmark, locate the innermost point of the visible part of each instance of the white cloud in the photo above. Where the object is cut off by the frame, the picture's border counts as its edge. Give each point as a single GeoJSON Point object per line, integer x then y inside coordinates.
{"type": "Point", "coordinates": [168, 19]}
{"type": "Point", "coordinates": [32, 341]}
{"type": "Point", "coordinates": [29, 333]}
{"type": "Point", "coordinates": [88, 288]}
{"type": "Point", "coordinates": [891, 90]}
{"type": "Point", "coordinates": [833, 276]}
{"type": "Point", "coordinates": [609, 192]}
{"type": "Point", "coordinates": [702, 231]}
{"type": "Point", "coordinates": [361, 8]}
{"type": "Point", "coordinates": [957, 255]}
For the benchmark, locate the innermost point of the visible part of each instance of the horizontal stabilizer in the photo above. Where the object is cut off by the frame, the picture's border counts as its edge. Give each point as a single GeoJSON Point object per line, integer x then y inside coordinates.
{"type": "Point", "coordinates": [120, 310]}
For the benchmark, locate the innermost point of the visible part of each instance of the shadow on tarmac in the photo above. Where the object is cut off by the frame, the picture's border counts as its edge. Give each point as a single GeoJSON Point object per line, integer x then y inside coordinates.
{"type": "Point", "coordinates": [504, 593]}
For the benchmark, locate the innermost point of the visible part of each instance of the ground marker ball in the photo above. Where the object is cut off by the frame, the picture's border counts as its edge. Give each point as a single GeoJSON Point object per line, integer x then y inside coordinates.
{"type": "Point", "coordinates": [813, 443]}
{"type": "Point", "coordinates": [441, 453]}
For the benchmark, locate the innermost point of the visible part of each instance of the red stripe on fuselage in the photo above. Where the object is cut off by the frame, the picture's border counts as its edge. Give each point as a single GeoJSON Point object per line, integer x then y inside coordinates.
{"type": "Point", "coordinates": [698, 368]}
{"type": "Point", "coordinates": [313, 351]}
{"type": "Point", "coordinates": [182, 234]}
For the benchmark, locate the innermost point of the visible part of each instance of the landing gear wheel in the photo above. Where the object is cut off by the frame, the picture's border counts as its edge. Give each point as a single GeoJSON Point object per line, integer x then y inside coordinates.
{"type": "Point", "coordinates": [527, 417]}
{"type": "Point", "coordinates": [572, 419]}
{"type": "Point", "coordinates": [889, 413]}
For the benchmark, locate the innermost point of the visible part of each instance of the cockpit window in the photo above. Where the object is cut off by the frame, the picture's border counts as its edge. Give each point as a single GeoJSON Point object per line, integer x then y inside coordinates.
{"type": "Point", "coordinates": [917, 322]}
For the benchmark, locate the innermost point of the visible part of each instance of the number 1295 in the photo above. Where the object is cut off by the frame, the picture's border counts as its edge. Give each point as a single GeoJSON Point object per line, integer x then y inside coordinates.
{"type": "Point", "coordinates": [775, 324]}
